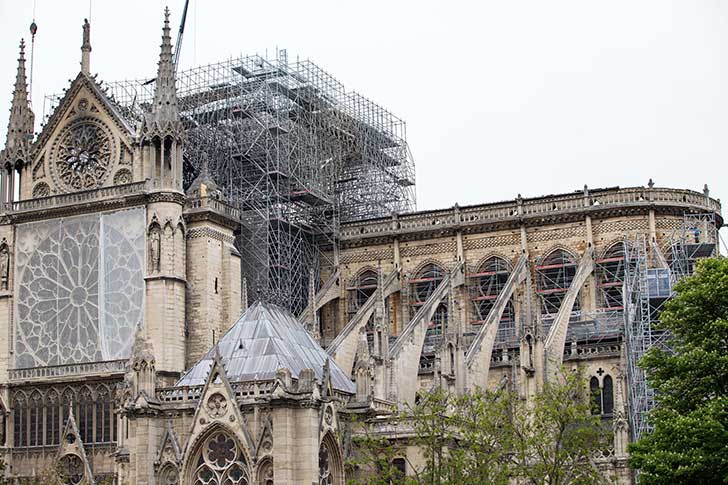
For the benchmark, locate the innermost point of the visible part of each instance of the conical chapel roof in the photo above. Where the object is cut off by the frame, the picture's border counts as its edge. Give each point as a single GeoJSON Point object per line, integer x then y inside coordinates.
{"type": "Point", "coordinates": [264, 339]}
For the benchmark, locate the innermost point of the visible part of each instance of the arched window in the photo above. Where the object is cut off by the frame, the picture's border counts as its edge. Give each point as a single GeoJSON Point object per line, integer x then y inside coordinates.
{"type": "Point", "coordinates": [554, 277]}
{"type": "Point", "coordinates": [610, 278]}
{"type": "Point", "coordinates": [20, 415]}
{"type": "Point", "coordinates": [485, 286]}
{"type": "Point", "coordinates": [220, 461]}
{"type": "Point", "coordinates": [607, 396]}
{"type": "Point", "coordinates": [265, 473]}
{"type": "Point", "coordinates": [36, 419]}
{"type": "Point", "coordinates": [169, 475]}
{"type": "Point", "coordinates": [361, 288]}
{"type": "Point", "coordinates": [596, 396]}
{"type": "Point", "coordinates": [330, 467]}
{"type": "Point", "coordinates": [422, 286]}
{"type": "Point", "coordinates": [52, 418]}
{"type": "Point", "coordinates": [104, 415]}
{"type": "Point", "coordinates": [602, 397]}
{"type": "Point", "coordinates": [85, 418]}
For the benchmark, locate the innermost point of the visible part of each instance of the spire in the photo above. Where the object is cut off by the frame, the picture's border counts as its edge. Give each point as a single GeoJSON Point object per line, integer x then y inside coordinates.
{"type": "Point", "coordinates": [164, 110]}
{"type": "Point", "coordinates": [86, 48]}
{"type": "Point", "coordinates": [20, 127]}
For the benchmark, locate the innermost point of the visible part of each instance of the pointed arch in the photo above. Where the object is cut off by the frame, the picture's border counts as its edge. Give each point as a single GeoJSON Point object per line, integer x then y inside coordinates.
{"type": "Point", "coordinates": [422, 285]}
{"type": "Point", "coordinates": [331, 464]}
{"type": "Point", "coordinates": [596, 397]}
{"type": "Point", "coordinates": [20, 419]}
{"type": "Point", "coordinates": [35, 419]}
{"type": "Point", "coordinates": [555, 272]}
{"type": "Point", "coordinates": [169, 474]}
{"type": "Point", "coordinates": [265, 473]}
{"type": "Point", "coordinates": [361, 286]}
{"type": "Point", "coordinates": [610, 271]}
{"type": "Point", "coordinates": [217, 457]}
{"type": "Point", "coordinates": [607, 396]}
{"type": "Point", "coordinates": [53, 423]}
{"type": "Point", "coordinates": [485, 284]}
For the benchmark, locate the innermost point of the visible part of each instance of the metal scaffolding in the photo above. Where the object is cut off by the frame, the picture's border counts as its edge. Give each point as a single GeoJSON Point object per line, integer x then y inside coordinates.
{"type": "Point", "coordinates": [295, 151]}
{"type": "Point", "coordinates": [648, 285]}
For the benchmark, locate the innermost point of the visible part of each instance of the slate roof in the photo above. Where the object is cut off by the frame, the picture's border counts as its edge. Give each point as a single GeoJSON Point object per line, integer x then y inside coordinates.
{"type": "Point", "coordinates": [264, 339]}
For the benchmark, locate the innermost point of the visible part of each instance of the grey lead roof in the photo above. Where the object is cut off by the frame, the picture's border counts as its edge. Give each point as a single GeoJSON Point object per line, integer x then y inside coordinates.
{"type": "Point", "coordinates": [264, 339]}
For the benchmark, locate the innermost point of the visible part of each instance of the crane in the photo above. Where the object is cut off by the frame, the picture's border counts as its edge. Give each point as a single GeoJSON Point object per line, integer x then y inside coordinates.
{"type": "Point", "coordinates": [178, 45]}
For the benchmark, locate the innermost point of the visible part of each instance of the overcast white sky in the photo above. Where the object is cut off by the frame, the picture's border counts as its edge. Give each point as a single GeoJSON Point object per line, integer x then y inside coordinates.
{"type": "Point", "coordinates": [500, 97]}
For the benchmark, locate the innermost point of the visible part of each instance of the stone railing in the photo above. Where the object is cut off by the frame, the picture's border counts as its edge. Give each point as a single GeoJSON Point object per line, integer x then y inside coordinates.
{"type": "Point", "coordinates": [211, 203]}
{"type": "Point", "coordinates": [75, 198]}
{"type": "Point", "coordinates": [108, 367]}
{"type": "Point", "coordinates": [179, 394]}
{"type": "Point", "coordinates": [527, 208]}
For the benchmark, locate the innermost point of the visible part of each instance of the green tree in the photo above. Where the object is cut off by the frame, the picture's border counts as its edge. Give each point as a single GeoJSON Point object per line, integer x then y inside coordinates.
{"type": "Point", "coordinates": [556, 436]}
{"type": "Point", "coordinates": [689, 443]}
{"type": "Point", "coordinates": [492, 437]}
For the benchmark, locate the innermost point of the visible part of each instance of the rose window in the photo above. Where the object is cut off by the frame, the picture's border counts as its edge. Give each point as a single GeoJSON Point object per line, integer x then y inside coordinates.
{"type": "Point", "coordinates": [80, 288]}
{"type": "Point", "coordinates": [84, 156]}
{"type": "Point", "coordinates": [71, 469]}
{"type": "Point", "coordinates": [221, 462]}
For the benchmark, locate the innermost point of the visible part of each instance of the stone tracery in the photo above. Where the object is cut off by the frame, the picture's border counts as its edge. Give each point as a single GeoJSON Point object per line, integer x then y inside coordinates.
{"type": "Point", "coordinates": [84, 155]}
{"type": "Point", "coordinates": [220, 461]}
{"type": "Point", "coordinates": [80, 289]}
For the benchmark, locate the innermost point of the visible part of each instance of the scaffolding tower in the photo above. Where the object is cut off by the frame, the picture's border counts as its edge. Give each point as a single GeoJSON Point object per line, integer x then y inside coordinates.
{"type": "Point", "coordinates": [648, 285]}
{"type": "Point", "coordinates": [295, 151]}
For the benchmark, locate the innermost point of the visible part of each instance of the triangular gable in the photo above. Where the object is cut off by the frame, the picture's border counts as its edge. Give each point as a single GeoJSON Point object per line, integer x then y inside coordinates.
{"type": "Point", "coordinates": [71, 444]}
{"type": "Point", "coordinates": [169, 450]}
{"type": "Point", "coordinates": [68, 100]}
{"type": "Point", "coordinates": [217, 405]}
{"type": "Point", "coordinates": [265, 439]}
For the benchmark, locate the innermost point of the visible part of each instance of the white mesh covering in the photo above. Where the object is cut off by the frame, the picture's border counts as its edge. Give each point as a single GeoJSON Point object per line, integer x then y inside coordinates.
{"type": "Point", "coordinates": [66, 312]}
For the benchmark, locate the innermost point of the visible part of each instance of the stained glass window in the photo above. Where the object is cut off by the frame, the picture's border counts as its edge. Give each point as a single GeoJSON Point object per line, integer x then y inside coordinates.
{"type": "Point", "coordinates": [79, 287]}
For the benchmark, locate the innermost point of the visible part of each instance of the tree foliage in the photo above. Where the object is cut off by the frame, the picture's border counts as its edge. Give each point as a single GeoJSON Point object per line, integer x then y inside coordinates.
{"type": "Point", "coordinates": [689, 443]}
{"type": "Point", "coordinates": [489, 437]}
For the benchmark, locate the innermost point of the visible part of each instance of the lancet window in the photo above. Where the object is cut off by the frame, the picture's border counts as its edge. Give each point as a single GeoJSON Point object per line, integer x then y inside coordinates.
{"type": "Point", "coordinates": [422, 286]}
{"type": "Point", "coordinates": [39, 416]}
{"type": "Point", "coordinates": [361, 288]}
{"type": "Point", "coordinates": [602, 395]}
{"type": "Point", "coordinates": [485, 285]}
{"type": "Point", "coordinates": [610, 278]}
{"type": "Point", "coordinates": [555, 274]}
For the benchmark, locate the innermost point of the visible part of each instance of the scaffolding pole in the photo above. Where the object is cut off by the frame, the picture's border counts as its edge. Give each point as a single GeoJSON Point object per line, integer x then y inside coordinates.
{"type": "Point", "coordinates": [292, 148]}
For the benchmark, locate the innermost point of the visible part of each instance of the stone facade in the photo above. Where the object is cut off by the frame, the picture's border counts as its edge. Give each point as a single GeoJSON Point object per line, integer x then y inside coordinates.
{"type": "Point", "coordinates": [124, 355]}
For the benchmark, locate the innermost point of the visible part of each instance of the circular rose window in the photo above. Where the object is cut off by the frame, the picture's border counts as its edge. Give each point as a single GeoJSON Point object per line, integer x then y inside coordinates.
{"type": "Point", "coordinates": [83, 156]}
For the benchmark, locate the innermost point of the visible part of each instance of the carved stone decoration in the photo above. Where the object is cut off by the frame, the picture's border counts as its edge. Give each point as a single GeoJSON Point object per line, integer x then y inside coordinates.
{"type": "Point", "coordinates": [4, 265]}
{"type": "Point", "coordinates": [41, 190]}
{"type": "Point", "coordinates": [169, 475]}
{"type": "Point", "coordinates": [39, 168]}
{"type": "Point", "coordinates": [71, 469]}
{"type": "Point", "coordinates": [326, 475]}
{"type": "Point", "coordinates": [221, 462]}
{"type": "Point", "coordinates": [217, 405]}
{"type": "Point", "coordinates": [122, 177]}
{"type": "Point", "coordinates": [328, 416]}
{"type": "Point", "coordinates": [155, 247]}
{"type": "Point", "coordinates": [84, 155]}
{"type": "Point", "coordinates": [265, 473]}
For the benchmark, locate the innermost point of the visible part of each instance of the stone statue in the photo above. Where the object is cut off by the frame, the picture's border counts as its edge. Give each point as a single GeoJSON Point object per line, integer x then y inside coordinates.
{"type": "Point", "coordinates": [4, 266]}
{"type": "Point", "coordinates": [155, 249]}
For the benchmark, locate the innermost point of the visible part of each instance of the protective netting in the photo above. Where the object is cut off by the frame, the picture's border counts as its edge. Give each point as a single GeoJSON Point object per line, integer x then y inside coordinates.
{"type": "Point", "coordinates": [79, 287]}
